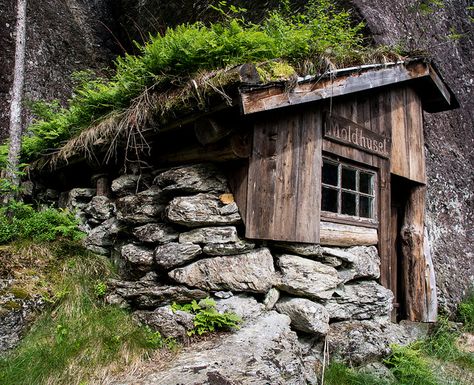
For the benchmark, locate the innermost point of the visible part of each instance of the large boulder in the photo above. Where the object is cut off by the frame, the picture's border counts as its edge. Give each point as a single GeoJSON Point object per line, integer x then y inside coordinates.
{"type": "Point", "coordinates": [307, 278]}
{"type": "Point", "coordinates": [168, 323]}
{"type": "Point", "coordinates": [103, 236]}
{"type": "Point", "coordinates": [221, 234]}
{"type": "Point", "coordinates": [261, 353]}
{"type": "Point", "coordinates": [144, 207]}
{"type": "Point", "coordinates": [155, 233]}
{"type": "Point", "coordinates": [100, 208]}
{"type": "Point", "coordinates": [361, 342]}
{"type": "Point", "coordinates": [78, 198]}
{"type": "Point", "coordinates": [202, 210]}
{"type": "Point", "coordinates": [252, 272]}
{"type": "Point", "coordinates": [306, 316]}
{"type": "Point", "coordinates": [149, 294]}
{"type": "Point", "coordinates": [361, 300]}
{"type": "Point", "coordinates": [175, 254]}
{"type": "Point", "coordinates": [360, 261]}
{"type": "Point", "coordinates": [130, 184]}
{"type": "Point", "coordinates": [193, 179]}
{"type": "Point", "coordinates": [139, 257]}
{"type": "Point", "coordinates": [247, 308]}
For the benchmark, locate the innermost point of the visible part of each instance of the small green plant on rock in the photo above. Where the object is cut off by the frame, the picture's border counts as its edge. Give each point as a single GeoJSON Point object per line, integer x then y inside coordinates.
{"type": "Point", "coordinates": [206, 317]}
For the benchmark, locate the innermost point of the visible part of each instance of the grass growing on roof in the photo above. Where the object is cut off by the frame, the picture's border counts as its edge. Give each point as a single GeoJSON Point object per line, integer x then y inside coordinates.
{"type": "Point", "coordinates": [79, 339]}
{"type": "Point", "coordinates": [308, 41]}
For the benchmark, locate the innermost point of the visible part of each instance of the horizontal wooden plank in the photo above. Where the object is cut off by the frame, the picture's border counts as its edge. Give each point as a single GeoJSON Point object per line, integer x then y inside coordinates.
{"type": "Point", "coordinates": [337, 234]}
{"type": "Point", "coordinates": [257, 100]}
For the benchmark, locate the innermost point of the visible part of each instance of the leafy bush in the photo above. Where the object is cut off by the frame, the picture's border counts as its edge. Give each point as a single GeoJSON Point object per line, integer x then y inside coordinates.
{"type": "Point", "coordinates": [206, 317]}
{"type": "Point", "coordinates": [181, 52]}
{"type": "Point", "coordinates": [21, 221]}
{"type": "Point", "coordinates": [78, 339]}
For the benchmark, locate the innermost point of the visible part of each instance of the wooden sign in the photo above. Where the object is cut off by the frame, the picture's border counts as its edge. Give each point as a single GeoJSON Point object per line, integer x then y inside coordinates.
{"type": "Point", "coordinates": [345, 131]}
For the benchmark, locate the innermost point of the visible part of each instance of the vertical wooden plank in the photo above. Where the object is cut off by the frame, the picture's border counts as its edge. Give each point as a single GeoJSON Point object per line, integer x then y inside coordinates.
{"type": "Point", "coordinates": [399, 158]}
{"type": "Point", "coordinates": [363, 109]}
{"type": "Point", "coordinates": [414, 266]}
{"type": "Point", "coordinates": [261, 181]}
{"type": "Point", "coordinates": [310, 165]}
{"type": "Point", "coordinates": [394, 261]}
{"type": "Point", "coordinates": [384, 216]}
{"type": "Point", "coordinates": [287, 145]}
{"type": "Point", "coordinates": [414, 135]}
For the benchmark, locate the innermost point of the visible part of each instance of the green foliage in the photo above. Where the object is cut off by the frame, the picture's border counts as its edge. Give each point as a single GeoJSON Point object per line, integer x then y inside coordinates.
{"type": "Point", "coordinates": [183, 51]}
{"type": "Point", "coordinates": [100, 289]}
{"type": "Point", "coordinates": [206, 317]}
{"type": "Point", "coordinates": [21, 221]}
{"type": "Point", "coordinates": [339, 374]}
{"type": "Point", "coordinates": [78, 338]}
{"type": "Point", "coordinates": [466, 313]}
{"type": "Point", "coordinates": [410, 367]}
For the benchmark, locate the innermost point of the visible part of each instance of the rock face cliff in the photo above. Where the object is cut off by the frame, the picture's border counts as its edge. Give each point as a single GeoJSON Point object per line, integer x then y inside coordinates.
{"type": "Point", "coordinates": [65, 36]}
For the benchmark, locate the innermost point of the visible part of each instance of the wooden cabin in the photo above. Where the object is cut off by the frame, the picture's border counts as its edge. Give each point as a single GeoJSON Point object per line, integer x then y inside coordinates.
{"type": "Point", "coordinates": [335, 160]}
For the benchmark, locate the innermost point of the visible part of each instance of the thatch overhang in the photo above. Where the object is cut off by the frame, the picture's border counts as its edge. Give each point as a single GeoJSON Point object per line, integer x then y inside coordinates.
{"type": "Point", "coordinates": [232, 95]}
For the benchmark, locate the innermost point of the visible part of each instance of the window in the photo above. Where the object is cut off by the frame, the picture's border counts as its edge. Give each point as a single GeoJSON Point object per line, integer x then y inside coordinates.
{"type": "Point", "coordinates": [347, 190]}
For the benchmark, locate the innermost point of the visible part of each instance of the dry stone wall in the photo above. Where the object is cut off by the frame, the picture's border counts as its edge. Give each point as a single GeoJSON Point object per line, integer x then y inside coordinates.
{"type": "Point", "coordinates": [178, 236]}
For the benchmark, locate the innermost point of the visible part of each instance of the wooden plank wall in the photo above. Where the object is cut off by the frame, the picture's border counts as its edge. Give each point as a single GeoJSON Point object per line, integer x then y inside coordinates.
{"type": "Point", "coordinates": [408, 153]}
{"type": "Point", "coordinates": [283, 201]}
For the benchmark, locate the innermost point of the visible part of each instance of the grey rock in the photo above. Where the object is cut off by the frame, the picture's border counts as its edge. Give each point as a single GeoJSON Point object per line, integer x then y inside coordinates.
{"type": "Point", "coordinates": [100, 208]}
{"type": "Point", "coordinates": [238, 247]}
{"type": "Point", "coordinates": [155, 233]}
{"type": "Point", "coordinates": [16, 316]}
{"type": "Point", "coordinates": [27, 188]}
{"type": "Point", "coordinates": [362, 342]}
{"type": "Point", "coordinates": [169, 323]}
{"type": "Point", "coordinates": [303, 249]}
{"type": "Point", "coordinates": [175, 254]}
{"type": "Point", "coordinates": [378, 370]}
{"type": "Point", "coordinates": [149, 294]}
{"type": "Point", "coordinates": [361, 300]}
{"type": "Point", "coordinates": [105, 234]}
{"type": "Point", "coordinates": [129, 184]}
{"type": "Point", "coordinates": [223, 294]}
{"type": "Point", "coordinates": [78, 198]}
{"type": "Point", "coordinates": [98, 249]}
{"type": "Point", "coordinates": [141, 258]}
{"type": "Point", "coordinates": [202, 210]}
{"type": "Point", "coordinates": [144, 207]}
{"type": "Point", "coordinates": [222, 234]}
{"type": "Point", "coordinates": [306, 316]}
{"type": "Point", "coordinates": [271, 298]}
{"type": "Point", "coordinates": [252, 272]}
{"type": "Point", "coordinates": [192, 179]}
{"type": "Point", "coordinates": [264, 352]}
{"type": "Point", "coordinates": [244, 306]}
{"type": "Point", "coordinates": [363, 261]}
{"type": "Point", "coordinates": [307, 278]}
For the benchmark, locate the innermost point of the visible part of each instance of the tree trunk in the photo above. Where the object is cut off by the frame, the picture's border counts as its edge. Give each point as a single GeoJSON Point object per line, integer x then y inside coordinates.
{"type": "Point", "coordinates": [17, 94]}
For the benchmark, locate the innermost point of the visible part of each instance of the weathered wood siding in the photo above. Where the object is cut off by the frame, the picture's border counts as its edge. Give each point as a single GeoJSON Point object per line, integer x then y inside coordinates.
{"type": "Point", "coordinates": [284, 193]}
{"type": "Point", "coordinates": [408, 154]}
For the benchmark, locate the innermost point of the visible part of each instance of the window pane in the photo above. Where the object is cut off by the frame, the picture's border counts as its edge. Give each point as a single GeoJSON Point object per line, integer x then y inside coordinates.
{"type": "Point", "coordinates": [329, 200]}
{"type": "Point", "coordinates": [349, 178]}
{"type": "Point", "coordinates": [348, 203]}
{"type": "Point", "coordinates": [365, 183]}
{"type": "Point", "coordinates": [365, 207]}
{"type": "Point", "coordinates": [330, 173]}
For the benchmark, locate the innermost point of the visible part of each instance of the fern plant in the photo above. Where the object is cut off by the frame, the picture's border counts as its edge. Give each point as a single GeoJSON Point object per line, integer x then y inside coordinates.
{"type": "Point", "coordinates": [206, 317]}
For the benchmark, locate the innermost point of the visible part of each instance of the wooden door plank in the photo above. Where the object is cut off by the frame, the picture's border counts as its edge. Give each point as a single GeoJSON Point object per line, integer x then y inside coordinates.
{"type": "Point", "coordinates": [414, 135]}
{"type": "Point", "coordinates": [399, 158]}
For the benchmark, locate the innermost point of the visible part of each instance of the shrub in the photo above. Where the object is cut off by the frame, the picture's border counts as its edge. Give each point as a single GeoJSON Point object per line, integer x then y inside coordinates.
{"type": "Point", "coordinates": [206, 317]}
{"type": "Point", "coordinates": [21, 221]}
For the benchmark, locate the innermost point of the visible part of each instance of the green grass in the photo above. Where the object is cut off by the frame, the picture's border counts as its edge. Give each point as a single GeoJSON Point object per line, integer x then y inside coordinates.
{"type": "Point", "coordinates": [466, 313]}
{"type": "Point", "coordinates": [79, 339]}
{"type": "Point", "coordinates": [169, 60]}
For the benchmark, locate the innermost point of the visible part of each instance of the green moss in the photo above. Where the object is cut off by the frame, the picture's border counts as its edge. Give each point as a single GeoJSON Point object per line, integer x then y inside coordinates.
{"type": "Point", "coordinates": [12, 305]}
{"type": "Point", "coordinates": [19, 293]}
{"type": "Point", "coordinates": [275, 70]}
